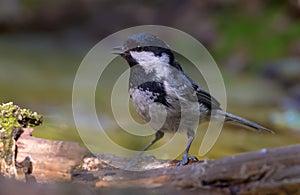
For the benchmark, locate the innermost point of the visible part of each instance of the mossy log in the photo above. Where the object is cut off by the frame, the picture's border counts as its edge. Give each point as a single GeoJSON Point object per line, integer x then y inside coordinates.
{"type": "Point", "coordinates": [268, 171]}
{"type": "Point", "coordinates": [13, 121]}
{"type": "Point", "coordinates": [52, 161]}
{"type": "Point", "coordinates": [26, 158]}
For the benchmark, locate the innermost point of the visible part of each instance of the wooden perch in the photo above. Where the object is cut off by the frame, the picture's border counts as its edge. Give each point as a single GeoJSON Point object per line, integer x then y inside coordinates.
{"type": "Point", "coordinates": [264, 172]}
{"type": "Point", "coordinates": [27, 158]}
{"type": "Point", "coordinates": [52, 161]}
{"type": "Point", "coordinates": [268, 171]}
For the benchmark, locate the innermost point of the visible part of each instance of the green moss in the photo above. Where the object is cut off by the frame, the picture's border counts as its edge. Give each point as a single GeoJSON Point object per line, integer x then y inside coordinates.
{"type": "Point", "coordinates": [12, 116]}
{"type": "Point", "coordinates": [12, 120]}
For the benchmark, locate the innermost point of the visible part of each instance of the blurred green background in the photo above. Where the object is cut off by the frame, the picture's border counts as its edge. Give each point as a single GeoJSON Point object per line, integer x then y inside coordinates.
{"type": "Point", "coordinates": [255, 43]}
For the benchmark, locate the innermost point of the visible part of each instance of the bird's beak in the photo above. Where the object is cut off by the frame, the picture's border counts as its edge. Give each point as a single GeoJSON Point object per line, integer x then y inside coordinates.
{"type": "Point", "coordinates": [118, 50]}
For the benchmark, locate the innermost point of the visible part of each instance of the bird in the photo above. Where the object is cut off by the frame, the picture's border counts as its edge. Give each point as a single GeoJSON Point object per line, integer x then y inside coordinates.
{"type": "Point", "coordinates": [162, 93]}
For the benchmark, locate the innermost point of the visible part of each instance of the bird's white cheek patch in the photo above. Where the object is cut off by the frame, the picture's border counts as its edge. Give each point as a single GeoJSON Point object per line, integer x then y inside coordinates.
{"type": "Point", "coordinates": [142, 57]}
{"type": "Point", "coordinates": [150, 62]}
{"type": "Point", "coordinates": [146, 56]}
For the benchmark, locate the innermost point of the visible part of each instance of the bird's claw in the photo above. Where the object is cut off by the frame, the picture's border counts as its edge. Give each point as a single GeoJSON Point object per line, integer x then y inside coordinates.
{"type": "Point", "coordinates": [186, 159]}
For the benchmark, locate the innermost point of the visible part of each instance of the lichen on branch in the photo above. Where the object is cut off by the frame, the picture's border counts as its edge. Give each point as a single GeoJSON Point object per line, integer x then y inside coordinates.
{"type": "Point", "coordinates": [12, 120]}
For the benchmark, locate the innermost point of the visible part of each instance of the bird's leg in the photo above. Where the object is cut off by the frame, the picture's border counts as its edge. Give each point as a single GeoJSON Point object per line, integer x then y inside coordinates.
{"type": "Point", "coordinates": [134, 160]}
{"type": "Point", "coordinates": [158, 136]}
{"type": "Point", "coordinates": [186, 158]}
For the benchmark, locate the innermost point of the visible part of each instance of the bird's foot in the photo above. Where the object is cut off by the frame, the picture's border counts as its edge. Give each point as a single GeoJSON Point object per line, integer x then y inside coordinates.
{"type": "Point", "coordinates": [186, 159]}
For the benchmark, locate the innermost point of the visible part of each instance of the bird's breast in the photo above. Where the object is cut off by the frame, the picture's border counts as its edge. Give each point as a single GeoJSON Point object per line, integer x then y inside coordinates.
{"type": "Point", "coordinates": [141, 101]}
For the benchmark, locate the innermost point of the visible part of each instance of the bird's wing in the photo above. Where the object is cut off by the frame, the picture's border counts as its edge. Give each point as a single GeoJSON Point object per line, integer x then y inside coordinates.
{"type": "Point", "coordinates": [206, 98]}
{"type": "Point", "coordinates": [157, 92]}
{"type": "Point", "coordinates": [203, 96]}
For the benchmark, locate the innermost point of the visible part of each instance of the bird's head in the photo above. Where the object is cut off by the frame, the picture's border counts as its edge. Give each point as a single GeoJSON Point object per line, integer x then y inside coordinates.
{"type": "Point", "coordinates": [145, 49]}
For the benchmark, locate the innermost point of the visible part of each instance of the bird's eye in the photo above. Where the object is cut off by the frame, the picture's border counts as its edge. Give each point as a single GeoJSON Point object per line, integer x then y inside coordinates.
{"type": "Point", "coordinates": [139, 48]}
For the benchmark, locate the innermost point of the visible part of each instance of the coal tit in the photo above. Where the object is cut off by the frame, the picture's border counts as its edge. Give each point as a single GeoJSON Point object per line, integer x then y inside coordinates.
{"type": "Point", "coordinates": [165, 96]}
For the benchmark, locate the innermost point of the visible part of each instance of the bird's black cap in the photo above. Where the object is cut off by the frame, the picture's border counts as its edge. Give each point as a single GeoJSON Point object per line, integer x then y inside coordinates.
{"type": "Point", "coordinates": [140, 40]}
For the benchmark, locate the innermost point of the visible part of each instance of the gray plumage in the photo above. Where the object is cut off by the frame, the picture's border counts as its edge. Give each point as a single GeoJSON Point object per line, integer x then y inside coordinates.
{"type": "Point", "coordinates": [165, 96]}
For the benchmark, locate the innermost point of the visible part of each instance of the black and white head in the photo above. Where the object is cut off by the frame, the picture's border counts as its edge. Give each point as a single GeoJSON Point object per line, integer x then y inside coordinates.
{"type": "Point", "coordinates": [146, 50]}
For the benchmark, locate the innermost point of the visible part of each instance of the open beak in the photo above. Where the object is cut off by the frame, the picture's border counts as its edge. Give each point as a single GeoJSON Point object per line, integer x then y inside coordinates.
{"type": "Point", "coordinates": [118, 50]}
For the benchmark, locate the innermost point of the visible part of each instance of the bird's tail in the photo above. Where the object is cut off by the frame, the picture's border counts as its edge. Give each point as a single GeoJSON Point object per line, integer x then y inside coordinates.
{"type": "Point", "coordinates": [241, 121]}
